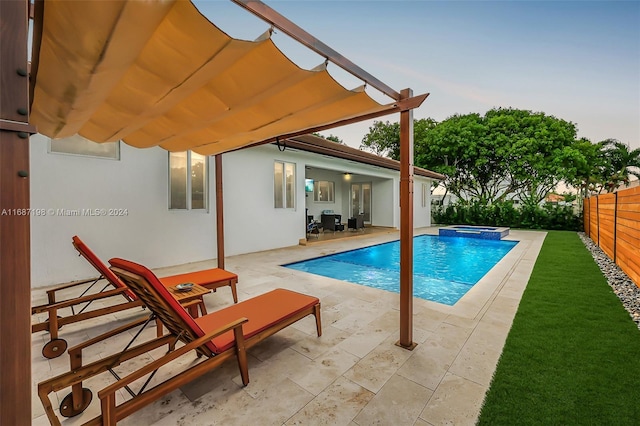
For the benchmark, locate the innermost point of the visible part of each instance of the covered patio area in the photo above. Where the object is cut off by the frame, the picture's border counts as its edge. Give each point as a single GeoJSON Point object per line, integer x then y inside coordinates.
{"type": "Point", "coordinates": [353, 374]}
{"type": "Point", "coordinates": [368, 231]}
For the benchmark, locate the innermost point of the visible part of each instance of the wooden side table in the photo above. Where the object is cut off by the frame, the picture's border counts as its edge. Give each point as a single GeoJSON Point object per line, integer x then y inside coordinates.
{"type": "Point", "coordinates": [194, 294]}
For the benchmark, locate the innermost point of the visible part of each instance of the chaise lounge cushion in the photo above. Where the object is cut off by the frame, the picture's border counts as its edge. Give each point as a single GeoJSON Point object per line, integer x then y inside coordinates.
{"type": "Point", "coordinates": [208, 278]}
{"type": "Point", "coordinates": [202, 278]}
{"type": "Point", "coordinates": [262, 311]}
{"type": "Point", "coordinates": [162, 291]}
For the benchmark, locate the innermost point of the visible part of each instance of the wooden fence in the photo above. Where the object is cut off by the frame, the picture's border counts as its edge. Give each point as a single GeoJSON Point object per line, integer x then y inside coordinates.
{"type": "Point", "coordinates": [612, 221]}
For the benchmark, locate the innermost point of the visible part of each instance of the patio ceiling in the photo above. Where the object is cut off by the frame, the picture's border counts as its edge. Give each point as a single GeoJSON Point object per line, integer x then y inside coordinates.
{"type": "Point", "coordinates": [175, 80]}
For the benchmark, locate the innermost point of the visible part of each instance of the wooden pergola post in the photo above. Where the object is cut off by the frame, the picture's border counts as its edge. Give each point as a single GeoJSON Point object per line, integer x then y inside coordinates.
{"type": "Point", "coordinates": [406, 151]}
{"type": "Point", "coordinates": [406, 226]}
{"type": "Point", "coordinates": [15, 264]}
{"type": "Point", "coordinates": [219, 212]}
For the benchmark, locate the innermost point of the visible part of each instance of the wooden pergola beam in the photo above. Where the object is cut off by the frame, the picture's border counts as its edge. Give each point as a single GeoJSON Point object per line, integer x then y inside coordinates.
{"type": "Point", "coordinates": [269, 15]}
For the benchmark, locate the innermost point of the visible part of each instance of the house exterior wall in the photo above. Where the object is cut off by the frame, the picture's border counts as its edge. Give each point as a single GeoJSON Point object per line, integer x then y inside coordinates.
{"type": "Point", "coordinates": [386, 203]}
{"type": "Point", "coordinates": [251, 223]}
{"type": "Point", "coordinates": [149, 233]}
{"type": "Point", "coordinates": [155, 236]}
{"type": "Point", "coordinates": [421, 213]}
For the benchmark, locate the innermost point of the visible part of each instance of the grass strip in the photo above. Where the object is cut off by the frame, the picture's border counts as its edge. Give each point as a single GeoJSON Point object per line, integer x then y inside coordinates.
{"type": "Point", "coordinates": [572, 356]}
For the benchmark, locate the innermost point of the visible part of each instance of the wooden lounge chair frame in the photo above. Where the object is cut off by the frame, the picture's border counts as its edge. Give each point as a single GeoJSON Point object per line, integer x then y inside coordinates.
{"type": "Point", "coordinates": [80, 397]}
{"type": "Point", "coordinates": [210, 278]}
{"type": "Point", "coordinates": [181, 328]}
{"type": "Point", "coordinates": [54, 322]}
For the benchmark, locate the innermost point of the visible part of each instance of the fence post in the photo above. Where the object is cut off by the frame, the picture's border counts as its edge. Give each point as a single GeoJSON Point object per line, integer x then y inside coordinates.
{"type": "Point", "coordinates": [586, 215]}
{"type": "Point", "coordinates": [598, 219]}
{"type": "Point", "coordinates": [615, 225]}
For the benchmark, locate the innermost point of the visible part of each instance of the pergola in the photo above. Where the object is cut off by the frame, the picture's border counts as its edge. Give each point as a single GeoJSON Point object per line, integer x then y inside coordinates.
{"type": "Point", "coordinates": [172, 79]}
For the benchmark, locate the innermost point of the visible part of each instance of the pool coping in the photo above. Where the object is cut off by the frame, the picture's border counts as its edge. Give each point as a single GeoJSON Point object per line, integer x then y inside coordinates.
{"type": "Point", "coordinates": [485, 290]}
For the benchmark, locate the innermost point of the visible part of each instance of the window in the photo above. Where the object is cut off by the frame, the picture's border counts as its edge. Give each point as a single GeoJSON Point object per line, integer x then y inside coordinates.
{"type": "Point", "coordinates": [77, 145]}
{"type": "Point", "coordinates": [323, 191]}
{"type": "Point", "coordinates": [284, 179]}
{"type": "Point", "coordinates": [187, 181]}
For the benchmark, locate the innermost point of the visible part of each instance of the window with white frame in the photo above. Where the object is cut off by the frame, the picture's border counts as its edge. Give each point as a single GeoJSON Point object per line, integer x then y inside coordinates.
{"type": "Point", "coordinates": [188, 173]}
{"type": "Point", "coordinates": [78, 145]}
{"type": "Point", "coordinates": [284, 185]}
{"type": "Point", "coordinates": [323, 191]}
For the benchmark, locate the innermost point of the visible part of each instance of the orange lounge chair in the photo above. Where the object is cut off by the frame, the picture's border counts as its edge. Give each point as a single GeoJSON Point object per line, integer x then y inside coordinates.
{"type": "Point", "coordinates": [210, 278]}
{"type": "Point", "coordinates": [217, 336]}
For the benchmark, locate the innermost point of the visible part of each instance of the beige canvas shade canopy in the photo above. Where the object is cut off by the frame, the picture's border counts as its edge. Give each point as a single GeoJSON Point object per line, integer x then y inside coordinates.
{"type": "Point", "coordinates": [158, 73]}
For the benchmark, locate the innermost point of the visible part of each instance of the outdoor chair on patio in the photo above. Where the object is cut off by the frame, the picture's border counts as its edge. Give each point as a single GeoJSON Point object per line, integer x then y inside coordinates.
{"type": "Point", "coordinates": [217, 336]}
{"type": "Point", "coordinates": [331, 222]}
{"type": "Point", "coordinates": [356, 223]}
{"type": "Point", "coordinates": [313, 228]}
{"type": "Point", "coordinates": [209, 278]}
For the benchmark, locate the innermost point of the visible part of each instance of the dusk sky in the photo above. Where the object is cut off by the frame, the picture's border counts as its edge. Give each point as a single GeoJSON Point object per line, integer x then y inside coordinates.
{"type": "Point", "coordinates": [575, 60]}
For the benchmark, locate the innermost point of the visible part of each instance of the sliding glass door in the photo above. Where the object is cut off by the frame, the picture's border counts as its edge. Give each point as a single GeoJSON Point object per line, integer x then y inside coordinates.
{"type": "Point", "coordinates": [361, 200]}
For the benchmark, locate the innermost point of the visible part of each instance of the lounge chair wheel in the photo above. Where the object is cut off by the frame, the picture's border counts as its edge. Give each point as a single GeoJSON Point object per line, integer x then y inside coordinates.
{"type": "Point", "coordinates": [66, 406]}
{"type": "Point", "coordinates": [54, 348]}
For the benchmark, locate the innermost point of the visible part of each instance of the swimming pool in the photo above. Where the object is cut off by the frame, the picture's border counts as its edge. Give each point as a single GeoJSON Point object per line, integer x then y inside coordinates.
{"type": "Point", "coordinates": [444, 268]}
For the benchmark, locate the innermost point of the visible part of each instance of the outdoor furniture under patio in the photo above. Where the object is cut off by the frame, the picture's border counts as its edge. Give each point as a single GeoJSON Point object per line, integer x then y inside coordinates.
{"type": "Point", "coordinates": [331, 222]}
{"type": "Point", "coordinates": [211, 279]}
{"type": "Point", "coordinates": [356, 223]}
{"type": "Point", "coordinates": [217, 336]}
{"type": "Point", "coordinates": [313, 228]}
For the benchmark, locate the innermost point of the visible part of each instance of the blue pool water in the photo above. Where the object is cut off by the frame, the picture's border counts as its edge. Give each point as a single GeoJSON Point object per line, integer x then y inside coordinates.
{"type": "Point", "coordinates": [444, 268]}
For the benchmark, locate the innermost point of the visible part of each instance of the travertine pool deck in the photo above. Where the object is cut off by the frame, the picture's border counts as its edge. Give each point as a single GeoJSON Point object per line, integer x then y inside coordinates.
{"type": "Point", "coordinates": [352, 375]}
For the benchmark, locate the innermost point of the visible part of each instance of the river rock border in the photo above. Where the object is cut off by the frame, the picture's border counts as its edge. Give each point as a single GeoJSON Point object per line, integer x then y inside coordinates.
{"type": "Point", "coordinates": [623, 287]}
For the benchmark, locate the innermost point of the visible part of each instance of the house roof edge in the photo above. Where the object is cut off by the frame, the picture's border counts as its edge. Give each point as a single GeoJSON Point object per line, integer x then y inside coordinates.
{"type": "Point", "coordinates": [318, 145]}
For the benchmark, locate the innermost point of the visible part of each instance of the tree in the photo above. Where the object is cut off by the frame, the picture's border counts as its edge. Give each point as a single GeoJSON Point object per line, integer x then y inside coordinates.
{"type": "Point", "coordinates": [618, 164]}
{"type": "Point", "coordinates": [539, 150]}
{"type": "Point", "coordinates": [384, 138]}
{"type": "Point", "coordinates": [569, 198]}
{"type": "Point", "coordinates": [507, 153]}
{"type": "Point", "coordinates": [330, 138]}
{"type": "Point", "coordinates": [459, 148]}
{"type": "Point", "coordinates": [585, 166]}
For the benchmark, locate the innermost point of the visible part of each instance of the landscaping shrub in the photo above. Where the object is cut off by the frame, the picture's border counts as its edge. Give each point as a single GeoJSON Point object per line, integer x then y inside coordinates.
{"type": "Point", "coordinates": [547, 216]}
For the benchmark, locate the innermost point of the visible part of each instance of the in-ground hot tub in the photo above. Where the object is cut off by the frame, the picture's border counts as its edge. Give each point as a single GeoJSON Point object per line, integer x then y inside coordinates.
{"type": "Point", "coordinates": [470, 231]}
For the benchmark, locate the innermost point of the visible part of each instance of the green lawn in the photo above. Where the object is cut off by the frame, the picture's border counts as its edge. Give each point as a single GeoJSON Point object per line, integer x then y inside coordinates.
{"type": "Point", "coordinates": [572, 356]}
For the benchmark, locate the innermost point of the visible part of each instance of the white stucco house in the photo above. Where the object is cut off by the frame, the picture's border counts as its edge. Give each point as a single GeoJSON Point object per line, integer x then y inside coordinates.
{"type": "Point", "coordinates": [138, 204]}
